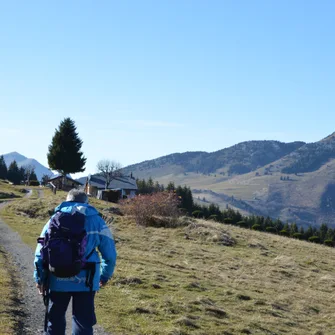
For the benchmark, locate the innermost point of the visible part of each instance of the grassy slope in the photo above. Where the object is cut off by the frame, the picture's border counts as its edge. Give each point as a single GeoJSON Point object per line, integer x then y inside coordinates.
{"type": "Point", "coordinates": [166, 284]}
{"type": "Point", "coordinates": [8, 191]}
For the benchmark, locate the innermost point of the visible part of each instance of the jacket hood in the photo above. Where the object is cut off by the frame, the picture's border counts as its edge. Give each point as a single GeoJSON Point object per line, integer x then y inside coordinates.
{"type": "Point", "coordinates": [70, 206]}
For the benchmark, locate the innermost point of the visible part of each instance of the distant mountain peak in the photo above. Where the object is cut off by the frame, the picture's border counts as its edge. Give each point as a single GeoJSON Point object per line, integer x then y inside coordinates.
{"type": "Point", "coordinates": [21, 160]}
{"type": "Point", "coordinates": [15, 156]}
{"type": "Point", "coordinates": [329, 137]}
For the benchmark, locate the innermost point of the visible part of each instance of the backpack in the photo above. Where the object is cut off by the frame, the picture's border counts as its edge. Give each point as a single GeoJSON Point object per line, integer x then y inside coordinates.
{"type": "Point", "coordinates": [64, 245]}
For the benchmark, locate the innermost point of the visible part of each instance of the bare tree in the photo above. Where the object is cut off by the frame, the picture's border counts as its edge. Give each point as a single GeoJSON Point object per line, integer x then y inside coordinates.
{"type": "Point", "coordinates": [109, 169]}
{"type": "Point", "coordinates": [45, 178]}
{"type": "Point", "coordinates": [28, 171]}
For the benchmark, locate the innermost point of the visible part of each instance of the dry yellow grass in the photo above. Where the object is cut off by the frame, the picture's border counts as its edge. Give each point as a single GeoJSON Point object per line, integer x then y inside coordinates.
{"type": "Point", "coordinates": [183, 281]}
{"type": "Point", "coordinates": [8, 191]}
{"type": "Point", "coordinates": [265, 284]}
{"type": "Point", "coordinates": [9, 310]}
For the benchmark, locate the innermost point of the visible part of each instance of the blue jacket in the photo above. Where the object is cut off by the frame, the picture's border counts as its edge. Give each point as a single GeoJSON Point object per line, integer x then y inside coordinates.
{"type": "Point", "coordinates": [98, 236]}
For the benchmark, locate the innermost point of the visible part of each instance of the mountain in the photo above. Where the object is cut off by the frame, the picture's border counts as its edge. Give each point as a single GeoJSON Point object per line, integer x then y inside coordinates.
{"type": "Point", "coordinates": [21, 160]}
{"type": "Point", "coordinates": [238, 159]}
{"type": "Point", "coordinates": [292, 181]}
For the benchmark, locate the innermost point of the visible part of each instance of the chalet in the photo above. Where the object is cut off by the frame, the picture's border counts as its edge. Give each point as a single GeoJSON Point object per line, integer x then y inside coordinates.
{"type": "Point", "coordinates": [66, 184]}
{"type": "Point", "coordinates": [125, 185]}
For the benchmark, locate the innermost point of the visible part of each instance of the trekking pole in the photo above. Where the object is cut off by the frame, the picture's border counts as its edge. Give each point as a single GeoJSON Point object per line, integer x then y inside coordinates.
{"type": "Point", "coordinates": [46, 297]}
{"type": "Point", "coordinates": [45, 293]}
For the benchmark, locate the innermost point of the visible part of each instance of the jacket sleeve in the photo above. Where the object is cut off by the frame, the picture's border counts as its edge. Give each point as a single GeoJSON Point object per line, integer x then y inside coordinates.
{"type": "Point", "coordinates": [38, 266]}
{"type": "Point", "coordinates": [108, 252]}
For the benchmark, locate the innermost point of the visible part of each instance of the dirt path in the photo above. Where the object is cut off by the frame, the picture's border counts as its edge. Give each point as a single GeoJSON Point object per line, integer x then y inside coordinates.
{"type": "Point", "coordinates": [40, 193]}
{"type": "Point", "coordinates": [31, 303]}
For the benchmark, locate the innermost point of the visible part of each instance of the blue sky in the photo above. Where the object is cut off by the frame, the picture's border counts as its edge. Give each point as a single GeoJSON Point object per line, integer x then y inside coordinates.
{"type": "Point", "coordinates": [144, 79]}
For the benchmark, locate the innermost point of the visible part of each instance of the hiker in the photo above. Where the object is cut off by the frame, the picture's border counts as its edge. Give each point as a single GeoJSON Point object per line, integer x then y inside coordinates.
{"type": "Point", "coordinates": [57, 279]}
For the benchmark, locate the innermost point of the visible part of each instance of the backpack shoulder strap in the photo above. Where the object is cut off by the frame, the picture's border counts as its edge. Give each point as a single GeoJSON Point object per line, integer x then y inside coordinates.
{"type": "Point", "coordinates": [90, 254]}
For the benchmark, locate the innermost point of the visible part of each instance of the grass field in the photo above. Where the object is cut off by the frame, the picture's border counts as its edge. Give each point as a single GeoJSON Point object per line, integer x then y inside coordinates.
{"type": "Point", "coordinates": [183, 281]}
{"type": "Point", "coordinates": [8, 191]}
{"type": "Point", "coordinates": [10, 316]}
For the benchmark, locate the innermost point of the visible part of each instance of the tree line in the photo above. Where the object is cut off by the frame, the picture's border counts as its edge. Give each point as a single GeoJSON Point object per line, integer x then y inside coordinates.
{"type": "Point", "coordinates": [16, 174]}
{"type": "Point", "coordinates": [323, 235]}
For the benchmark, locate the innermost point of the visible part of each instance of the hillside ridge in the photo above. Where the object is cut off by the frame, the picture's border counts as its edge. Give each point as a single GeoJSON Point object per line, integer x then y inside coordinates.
{"type": "Point", "coordinates": [22, 160]}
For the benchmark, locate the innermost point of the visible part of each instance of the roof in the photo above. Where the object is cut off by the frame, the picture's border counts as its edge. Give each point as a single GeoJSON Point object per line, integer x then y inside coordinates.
{"type": "Point", "coordinates": [67, 177]}
{"type": "Point", "coordinates": [123, 182]}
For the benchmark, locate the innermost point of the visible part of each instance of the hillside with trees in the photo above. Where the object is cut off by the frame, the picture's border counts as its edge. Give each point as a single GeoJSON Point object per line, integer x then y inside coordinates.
{"type": "Point", "coordinates": [238, 159]}
{"type": "Point", "coordinates": [312, 156]}
{"type": "Point", "coordinates": [293, 182]}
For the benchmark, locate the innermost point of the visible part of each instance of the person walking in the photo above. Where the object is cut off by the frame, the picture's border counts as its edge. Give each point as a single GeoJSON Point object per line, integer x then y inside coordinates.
{"type": "Point", "coordinates": [67, 263]}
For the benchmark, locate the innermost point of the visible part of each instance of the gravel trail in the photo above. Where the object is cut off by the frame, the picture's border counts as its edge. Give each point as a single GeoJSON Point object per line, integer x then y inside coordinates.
{"type": "Point", "coordinates": [29, 301]}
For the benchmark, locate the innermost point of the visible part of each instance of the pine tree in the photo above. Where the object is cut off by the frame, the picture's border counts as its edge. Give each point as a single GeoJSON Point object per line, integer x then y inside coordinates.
{"type": "Point", "coordinates": [14, 174]}
{"type": "Point", "coordinates": [308, 232]}
{"type": "Point", "coordinates": [302, 230]}
{"type": "Point", "coordinates": [150, 185]}
{"type": "Point", "coordinates": [323, 232]}
{"type": "Point", "coordinates": [157, 187]}
{"type": "Point", "coordinates": [22, 173]}
{"type": "Point", "coordinates": [293, 228]}
{"type": "Point", "coordinates": [64, 153]}
{"type": "Point", "coordinates": [170, 187]}
{"type": "Point", "coordinates": [33, 176]}
{"type": "Point", "coordinates": [3, 168]}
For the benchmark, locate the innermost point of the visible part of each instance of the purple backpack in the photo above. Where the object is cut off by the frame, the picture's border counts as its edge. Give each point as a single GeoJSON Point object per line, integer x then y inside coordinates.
{"type": "Point", "coordinates": [64, 244]}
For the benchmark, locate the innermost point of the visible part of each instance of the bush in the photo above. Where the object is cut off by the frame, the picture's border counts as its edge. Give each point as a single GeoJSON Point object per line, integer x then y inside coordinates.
{"type": "Point", "coordinates": [242, 223]}
{"type": "Point", "coordinates": [228, 220]}
{"type": "Point", "coordinates": [271, 229]}
{"type": "Point", "coordinates": [197, 214]}
{"type": "Point", "coordinates": [314, 239]}
{"type": "Point", "coordinates": [299, 236]}
{"type": "Point", "coordinates": [145, 207]}
{"type": "Point", "coordinates": [256, 227]}
{"type": "Point", "coordinates": [284, 233]}
{"type": "Point", "coordinates": [329, 243]}
{"type": "Point", "coordinates": [213, 217]}
{"type": "Point", "coordinates": [34, 183]}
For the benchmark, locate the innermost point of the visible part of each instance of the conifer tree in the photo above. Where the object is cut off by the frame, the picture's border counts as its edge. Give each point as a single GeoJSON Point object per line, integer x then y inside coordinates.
{"type": "Point", "coordinates": [33, 176]}
{"type": "Point", "coordinates": [64, 153]}
{"type": "Point", "coordinates": [22, 173]}
{"type": "Point", "coordinates": [14, 174]}
{"type": "Point", "coordinates": [3, 168]}
{"type": "Point", "coordinates": [170, 187]}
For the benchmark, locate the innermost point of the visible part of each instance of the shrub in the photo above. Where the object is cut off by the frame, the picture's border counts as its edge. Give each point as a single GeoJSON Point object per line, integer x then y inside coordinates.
{"type": "Point", "coordinates": [314, 239]}
{"type": "Point", "coordinates": [271, 229]}
{"type": "Point", "coordinates": [34, 183]}
{"type": "Point", "coordinates": [228, 220]}
{"type": "Point", "coordinates": [145, 207]}
{"type": "Point", "coordinates": [284, 233]}
{"type": "Point", "coordinates": [242, 223]}
{"type": "Point", "coordinates": [213, 217]}
{"type": "Point", "coordinates": [256, 227]}
{"type": "Point", "coordinates": [197, 214]}
{"type": "Point", "coordinates": [329, 243]}
{"type": "Point", "coordinates": [298, 236]}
